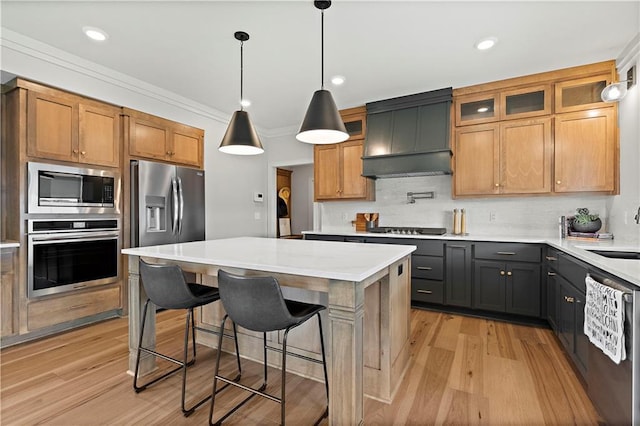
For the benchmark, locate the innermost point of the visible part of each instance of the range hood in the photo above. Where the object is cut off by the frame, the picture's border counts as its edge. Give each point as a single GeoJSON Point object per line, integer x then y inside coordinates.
{"type": "Point", "coordinates": [409, 136]}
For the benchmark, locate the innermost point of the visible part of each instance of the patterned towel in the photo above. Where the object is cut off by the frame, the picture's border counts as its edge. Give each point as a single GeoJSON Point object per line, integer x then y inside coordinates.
{"type": "Point", "coordinates": [604, 319]}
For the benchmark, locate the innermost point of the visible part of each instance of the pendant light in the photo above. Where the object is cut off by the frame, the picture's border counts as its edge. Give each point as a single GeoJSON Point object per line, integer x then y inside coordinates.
{"type": "Point", "coordinates": [241, 138]}
{"type": "Point", "coordinates": [322, 123]}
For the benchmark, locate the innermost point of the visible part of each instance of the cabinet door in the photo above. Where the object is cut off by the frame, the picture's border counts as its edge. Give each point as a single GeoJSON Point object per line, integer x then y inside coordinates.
{"type": "Point", "coordinates": [523, 289]}
{"type": "Point", "coordinates": [528, 102]}
{"type": "Point", "coordinates": [186, 147]}
{"type": "Point", "coordinates": [326, 169]}
{"type": "Point", "coordinates": [475, 109]}
{"type": "Point", "coordinates": [581, 351]}
{"type": "Point", "coordinates": [355, 121]}
{"type": "Point", "coordinates": [566, 314]}
{"type": "Point", "coordinates": [476, 160]}
{"type": "Point", "coordinates": [489, 285]}
{"type": "Point", "coordinates": [52, 127]}
{"type": "Point", "coordinates": [586, 151]}
{"type": "Point", "coordinates": [525, 156]}
{"type": "Point", "coordinates": [581, 94]}
{"type": "Point", "coordinates": [353, 184]}
{"type": "Point", "coordinates": [458, 274]}
{"type": "Point", "coordinates": [552, 297]}
{"type": "Point", "coordinates": [7, 291]}
{"type": "Point", "coordinates": [148, 139]}
{"type": "Point", "coordinates": [99, 135]}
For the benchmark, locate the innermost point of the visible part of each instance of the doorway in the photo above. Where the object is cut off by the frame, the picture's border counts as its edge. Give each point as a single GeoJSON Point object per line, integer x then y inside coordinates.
{"type": "Point", "coordinates": [294, 200]}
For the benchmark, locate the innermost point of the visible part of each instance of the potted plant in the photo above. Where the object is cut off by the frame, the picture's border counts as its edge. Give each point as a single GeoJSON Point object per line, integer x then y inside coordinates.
{"type": "Point", "coordinates": [585, 222]}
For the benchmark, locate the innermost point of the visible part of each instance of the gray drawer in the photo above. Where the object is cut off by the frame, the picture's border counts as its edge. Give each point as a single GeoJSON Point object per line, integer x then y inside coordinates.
{"type": "Point", "coordinates": [509, 252]}
{"type": "Point", "coordinates": [429, 291]}
{"type": "Point", "coordinates": [430, 247]}
{"type": "Point", "coordinates": [429, 267]}
{"type": "Point", "coordinates": [573, 270]}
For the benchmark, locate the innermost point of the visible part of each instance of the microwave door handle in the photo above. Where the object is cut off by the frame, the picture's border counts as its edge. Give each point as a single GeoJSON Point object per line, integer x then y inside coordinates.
{"type": "Point", "coordinates": [181, 208]}
{"type": "Point", "coordinates": [174, 210]}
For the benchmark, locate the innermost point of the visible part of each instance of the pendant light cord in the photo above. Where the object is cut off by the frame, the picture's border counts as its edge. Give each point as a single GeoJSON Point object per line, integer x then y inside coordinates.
{"type": "Point", "coordinates": [322, 49]}
{"type": "Point", "coordinates": [241, 74]}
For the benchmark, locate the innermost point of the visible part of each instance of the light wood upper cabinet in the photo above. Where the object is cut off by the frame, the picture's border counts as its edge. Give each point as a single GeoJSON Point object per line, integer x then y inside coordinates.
{"type": "Point", "coordinates": [355, 120]}
{"type": "Point", "coordinates": [586, 157]}
{"type": "Point", "coordinates": [477, 108]}
{"type": "Point", "coordinates": [326, 165]}
{"type": "Point", "coordinates": [525, 102]}
{"type": "Point", "coordinates": [477, 158]}
{"type": "Point", "coordinates": [156, 138]}
{"type": "Point", "coordinates": [581, 94]}
{"type": "Point", "coordinates": [65, 127]}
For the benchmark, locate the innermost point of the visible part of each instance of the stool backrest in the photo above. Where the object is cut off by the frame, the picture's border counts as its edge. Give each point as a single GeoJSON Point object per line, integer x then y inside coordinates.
{"type": "Point", "coordinates": [165, 286]}
{"type": "Point", "coordinates": [255, 303]}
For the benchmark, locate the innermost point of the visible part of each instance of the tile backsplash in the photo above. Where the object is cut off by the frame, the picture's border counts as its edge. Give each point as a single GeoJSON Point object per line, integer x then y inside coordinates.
{"type": "Point", "coordinates": [522, 216]}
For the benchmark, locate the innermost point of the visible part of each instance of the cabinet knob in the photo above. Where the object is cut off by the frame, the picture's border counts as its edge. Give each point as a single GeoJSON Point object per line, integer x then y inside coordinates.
{"type": "Point", "coordinates": [501, 272]}
{"type": "Point", "coordinates": [509, 273]}
{"type": "Point", "coordinates": [75, 151]}
{"type": "Point", "coordinates": [168, 152]}
{"type": "Point", "coordinates": [83, 152]}
{"type": "Point", "coordinates": [497, 185]}
{"type": "Point", "coordinates": [558, 182]}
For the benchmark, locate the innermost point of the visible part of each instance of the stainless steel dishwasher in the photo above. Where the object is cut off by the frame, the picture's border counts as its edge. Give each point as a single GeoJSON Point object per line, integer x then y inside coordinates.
{"type": "Point", "coordinates": [615, 388]}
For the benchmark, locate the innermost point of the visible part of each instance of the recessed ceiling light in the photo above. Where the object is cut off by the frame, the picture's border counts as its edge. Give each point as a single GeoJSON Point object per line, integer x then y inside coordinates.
{"type": "Point", "coordinates": [337, 80]}
{"type": "Point", "coordinates": [245, 102]}
{"type": "Point", "coordinates": [95, 34]}
{"type": "Point", "coordinates": [486, 43]}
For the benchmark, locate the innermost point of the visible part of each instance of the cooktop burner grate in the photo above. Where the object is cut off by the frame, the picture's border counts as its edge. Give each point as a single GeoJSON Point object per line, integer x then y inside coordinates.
{"type": "Point", "coordinates": [403, 230]}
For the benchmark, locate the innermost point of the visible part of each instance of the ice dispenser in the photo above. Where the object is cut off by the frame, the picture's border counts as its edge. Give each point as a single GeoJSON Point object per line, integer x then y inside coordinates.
{"type": "Point", "coordinates": [155, 213]}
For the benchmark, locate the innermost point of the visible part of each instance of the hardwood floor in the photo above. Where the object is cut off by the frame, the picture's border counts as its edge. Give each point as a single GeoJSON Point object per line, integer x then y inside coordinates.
{"type": "Point", "coordinates": [463, 370]}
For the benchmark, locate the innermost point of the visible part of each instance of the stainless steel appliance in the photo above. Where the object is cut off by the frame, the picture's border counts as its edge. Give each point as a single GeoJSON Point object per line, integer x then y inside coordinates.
{"type": "Point", "coordinates": [62, 189]}
{"type": "Point", "coordinates": [167, 204]}
{"type": "Point", "coordinates": [404, 230]}
{"type": "Point", "coordinates": [615, 388]}
{"type": "Point", "coordinates": [69, 254]}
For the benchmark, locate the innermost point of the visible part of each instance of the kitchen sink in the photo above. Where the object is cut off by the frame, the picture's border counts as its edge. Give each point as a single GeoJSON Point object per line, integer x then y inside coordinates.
{"type": "Point", "coordinates": [617, 254]}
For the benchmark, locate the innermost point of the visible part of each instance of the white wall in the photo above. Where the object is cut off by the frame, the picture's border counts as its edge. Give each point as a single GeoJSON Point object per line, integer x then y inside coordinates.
{"type": "Point", "coordinates": [624, 207]}
{"type": "Point", "coordinates": [230, 180]}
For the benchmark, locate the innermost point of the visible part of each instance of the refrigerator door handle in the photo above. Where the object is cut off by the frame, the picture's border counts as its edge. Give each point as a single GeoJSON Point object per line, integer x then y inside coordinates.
{"type": "Point", "coordinates": [175, 206]}
{"type": "Point", "coordinates": [181, 208]}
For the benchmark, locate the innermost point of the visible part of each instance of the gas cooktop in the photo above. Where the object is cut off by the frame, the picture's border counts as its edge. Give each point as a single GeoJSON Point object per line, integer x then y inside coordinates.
{"type": "Point", "coordinates": [402, 230]}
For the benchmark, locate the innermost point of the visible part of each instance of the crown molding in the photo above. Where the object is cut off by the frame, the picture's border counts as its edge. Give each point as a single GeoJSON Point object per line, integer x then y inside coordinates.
{"type": "Point", "coordinates": [630, 54]}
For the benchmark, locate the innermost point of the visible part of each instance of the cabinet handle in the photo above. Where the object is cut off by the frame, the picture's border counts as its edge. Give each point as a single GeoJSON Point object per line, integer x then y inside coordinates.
{"type": "Point", "coordinates": [509, 273]}
{"type": "Point", "coordinates": [551, 274]}
{"type": "Point", "coordinates": [569, 299]}
{"type": "Point", "coordinates": [501, 272]}
{"type": "Point", "coordinates": [424, 268]}
{"type": "Point", "coordinates": [506, 253]}
{"type": "Point", "coordinates": [551, 258]}
{"type": "Point", "coordinates": [456, 246]}
{"type": "Point", "coordinates": [425, 291]}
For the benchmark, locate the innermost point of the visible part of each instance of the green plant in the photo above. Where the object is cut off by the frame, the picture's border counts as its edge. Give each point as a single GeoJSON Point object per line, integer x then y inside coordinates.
{"type": "Point", "coordinates": [583, 216]}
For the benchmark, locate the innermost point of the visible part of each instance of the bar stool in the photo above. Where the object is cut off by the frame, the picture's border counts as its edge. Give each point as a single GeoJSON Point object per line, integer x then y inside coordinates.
{"type": "Point", "coordinates": [257, 304]}
{"type": "Point", "coordinates": [167, 288]}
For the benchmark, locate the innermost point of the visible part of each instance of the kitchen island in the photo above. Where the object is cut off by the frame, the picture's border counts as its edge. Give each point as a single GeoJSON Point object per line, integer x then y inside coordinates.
{"type": "Point", "coordinates": [366, 356]}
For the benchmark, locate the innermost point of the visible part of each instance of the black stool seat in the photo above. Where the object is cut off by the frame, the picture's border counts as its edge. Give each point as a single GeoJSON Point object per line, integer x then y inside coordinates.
{"type": "Point", "coordinates": [167, 288]}
{"type": "Point", "coordinates": [257, 304]}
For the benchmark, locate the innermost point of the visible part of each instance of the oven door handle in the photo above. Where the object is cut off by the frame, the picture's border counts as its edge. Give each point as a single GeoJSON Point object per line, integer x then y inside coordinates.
{"type": "Point", "coordinates": [67, 238]}
{"type": "Point", "coordinates": [175, 206]}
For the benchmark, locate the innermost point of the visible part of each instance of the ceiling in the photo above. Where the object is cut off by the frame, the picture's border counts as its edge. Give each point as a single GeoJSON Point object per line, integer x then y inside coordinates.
{"type": "Point", "coordinates": [383, 48]}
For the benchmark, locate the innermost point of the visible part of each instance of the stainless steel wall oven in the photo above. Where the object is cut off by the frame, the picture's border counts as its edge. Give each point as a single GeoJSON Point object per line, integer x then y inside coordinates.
{"type": "Point", "coordinates": [69, 254]}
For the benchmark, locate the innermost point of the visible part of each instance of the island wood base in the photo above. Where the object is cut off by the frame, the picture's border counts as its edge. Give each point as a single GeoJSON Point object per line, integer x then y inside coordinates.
{"type": "Point", "coordinates": [366, 335]}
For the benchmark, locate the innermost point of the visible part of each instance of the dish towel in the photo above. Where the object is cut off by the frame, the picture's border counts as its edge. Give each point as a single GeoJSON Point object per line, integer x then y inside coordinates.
{"type": "Point", "coordinates": [604, 319]}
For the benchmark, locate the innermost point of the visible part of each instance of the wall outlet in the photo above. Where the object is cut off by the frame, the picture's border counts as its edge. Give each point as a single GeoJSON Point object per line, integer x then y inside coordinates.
{"type": "Point", "coordinates": [344, 216]}
{"type": "Point", "coordinates": [256, 215]}
{"type": "Point", "coordinates": [492, 216]}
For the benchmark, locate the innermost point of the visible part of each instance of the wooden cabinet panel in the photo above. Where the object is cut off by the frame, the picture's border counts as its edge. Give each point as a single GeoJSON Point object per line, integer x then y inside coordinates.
{"type": "Point", "coordinates": [476, 160]}
{"type": "Point", "coordinates": [489, 288]}
{"type": "Point", "coordinates": [187, 148]}
{"type": "Point", "coordinates": [458, 274]}
{"type": "Point", "coordinates": [99, 135]}
{"type": "Point", "coordinates": [586, 151]}
{"type": "Point", "coordinates": [354, 185]}
{"type": "Point", "coordinates": [7, 291]}
{"type": "Point", "coordinates": [147, 139]}
{"type": "Point", "coordinates": [523, 289]}
{"type": "Point", "coordinates": [527, 102]}
{"type": "Point", "coordinates": [326, 165]}
{"type": "Point", "coordinates": [477, 108]}
{"type": "Point", "coordinates": [508, 252]}
{"type": "Point", "coordinates": [338, 172]}
{"type": "Point", "coordinates": [52, 124]}
{"type": "Point", "coordinates": [43, 313]}
{"type": "Point", "coordinates": [525, 156]}
{"type": "Point", "coordinates": [581, 94]}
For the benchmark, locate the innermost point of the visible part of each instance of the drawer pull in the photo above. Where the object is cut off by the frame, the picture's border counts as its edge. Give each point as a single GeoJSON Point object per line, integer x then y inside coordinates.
{"type": "Point", "coordinates": [551, 258]}
{"type": "Point", "coordinates": [425, 291]}
{"type": "Point", "coordinates": [569, 299]}
{"type": "Point", "coordinates": [551, 274]}
{"type": "Point", "coordinates": [424, 268]}
{"type": "Point", "coordinates": [456, 246]}
{"type": "Point", "coordinates": [506, 253]}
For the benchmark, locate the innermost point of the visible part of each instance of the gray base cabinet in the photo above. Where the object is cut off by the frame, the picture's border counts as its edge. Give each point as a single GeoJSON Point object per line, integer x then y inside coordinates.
{"type": "Point", "coordinates": [458, 271]}
{"type": "Point", "coordinates": [570, 302]}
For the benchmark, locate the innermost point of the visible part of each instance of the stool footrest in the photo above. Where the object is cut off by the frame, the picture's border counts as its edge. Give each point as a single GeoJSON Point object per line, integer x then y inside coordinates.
{"type": "Point", "coordinates": [274, 349]}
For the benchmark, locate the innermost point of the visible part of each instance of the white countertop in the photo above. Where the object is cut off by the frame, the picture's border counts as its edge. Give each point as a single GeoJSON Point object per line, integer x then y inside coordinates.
{"type": "Point", "coordinates": [627, 269]}
{"type": "Point", "coordinates": [322, 259]}
{"type": "Point", "coordinates": [9, 244]}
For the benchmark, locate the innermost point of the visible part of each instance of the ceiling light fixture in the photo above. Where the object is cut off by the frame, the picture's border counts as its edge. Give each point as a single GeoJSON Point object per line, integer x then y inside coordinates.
{"type": "Point", "coordinates": [616, 91]}
{"type": "Point", "coordinates": [241, 138]}
{"type": "Point", "coordinates": [95, 34]}
{"type": "Point", "coordinates": [486, 43]}
{"type": "Point", "coordinates": [322, 123]}
{"type": "Point", "coordinates": [338, 80]}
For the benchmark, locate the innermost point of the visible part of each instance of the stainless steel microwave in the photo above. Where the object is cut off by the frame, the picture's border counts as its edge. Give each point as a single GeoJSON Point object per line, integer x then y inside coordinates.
{"type": "Point", "coordinates": [62, 189]}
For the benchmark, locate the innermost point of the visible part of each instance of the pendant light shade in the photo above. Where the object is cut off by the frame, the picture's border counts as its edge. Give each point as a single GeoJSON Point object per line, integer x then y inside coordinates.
{"type": "Point", "coordinates": [241, 137]}
{"type": "Point", "coordinates": [322, 123]}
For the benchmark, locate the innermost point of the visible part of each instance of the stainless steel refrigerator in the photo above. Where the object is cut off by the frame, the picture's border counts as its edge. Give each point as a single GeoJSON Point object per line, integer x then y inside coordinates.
{"type": "Point", "coordinates": [167, 204]}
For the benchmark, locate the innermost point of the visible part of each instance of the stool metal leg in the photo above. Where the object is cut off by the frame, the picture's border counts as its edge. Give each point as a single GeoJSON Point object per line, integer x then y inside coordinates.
{"type": "Point", "coordinates": [284, 376]}
{"type": "Point", "coordinates": [324, 366]}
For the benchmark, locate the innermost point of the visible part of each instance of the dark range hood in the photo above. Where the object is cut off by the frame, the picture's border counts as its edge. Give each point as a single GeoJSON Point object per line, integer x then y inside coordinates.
{"type": "Point", "coordinates": [409, 135]}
